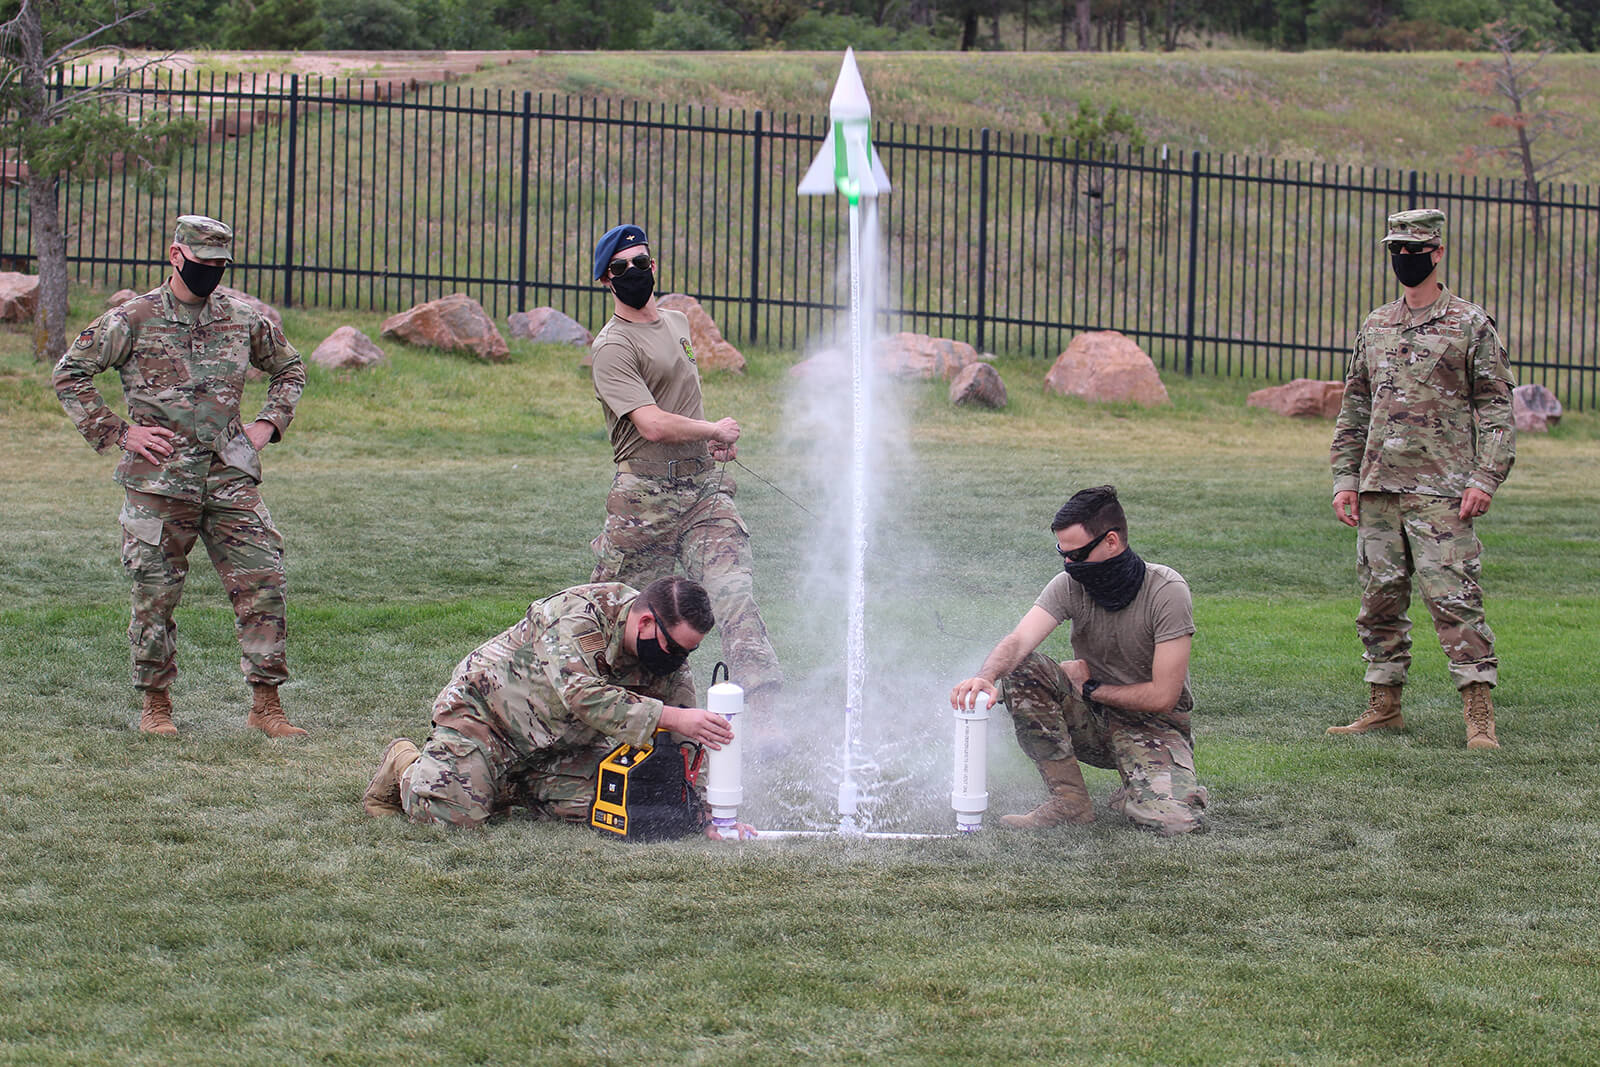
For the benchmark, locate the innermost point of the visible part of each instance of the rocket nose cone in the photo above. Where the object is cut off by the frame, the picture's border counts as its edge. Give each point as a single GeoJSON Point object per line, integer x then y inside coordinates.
{"type": "Point", "coordinates": [849, 100]}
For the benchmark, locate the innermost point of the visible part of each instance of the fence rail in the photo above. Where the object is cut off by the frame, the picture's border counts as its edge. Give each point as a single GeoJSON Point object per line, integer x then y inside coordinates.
{"type": "Point", "coordinates": [344, 196]}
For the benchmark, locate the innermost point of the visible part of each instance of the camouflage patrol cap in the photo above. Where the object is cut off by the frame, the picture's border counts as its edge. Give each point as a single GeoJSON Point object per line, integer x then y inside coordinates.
{"type": "Point", "coordinates": [1423, 224]}
{"type": "Point", "coordinates": [205, 237]}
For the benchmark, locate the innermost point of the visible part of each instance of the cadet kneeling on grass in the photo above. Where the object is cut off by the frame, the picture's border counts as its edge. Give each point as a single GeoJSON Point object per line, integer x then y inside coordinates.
{"type": "Point", "coordinates": [1124, 702]}
{"type": "Point", "coordinates": [529, 715]}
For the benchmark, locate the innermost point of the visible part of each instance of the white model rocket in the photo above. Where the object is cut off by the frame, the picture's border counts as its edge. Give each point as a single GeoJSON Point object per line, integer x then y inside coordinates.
{"type": "Point", "coordinates": [847, 164]}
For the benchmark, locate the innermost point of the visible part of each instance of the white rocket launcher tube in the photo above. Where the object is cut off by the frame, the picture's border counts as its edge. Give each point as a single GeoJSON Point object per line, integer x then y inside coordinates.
{"type": "Point", "coordinates": [970, 796]}
{"type": "Point", "coordinates": [724, 784]}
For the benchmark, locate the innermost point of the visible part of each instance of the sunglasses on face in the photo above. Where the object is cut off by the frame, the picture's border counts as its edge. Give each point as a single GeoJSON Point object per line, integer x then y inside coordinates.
{"type": "Point", "coordinates": [1411, 248]}
{"type": "Point", "coordinates": [665, 639]}
{"type": "Point", "coordinates": [619, 267]}
{"type": "Point", "coordinates": [1081, 553]}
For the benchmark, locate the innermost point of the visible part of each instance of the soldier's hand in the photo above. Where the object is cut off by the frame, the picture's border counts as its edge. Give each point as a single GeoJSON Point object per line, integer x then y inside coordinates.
{"type": "Point", "coordinates": [965, 694]}
{"type": "Point", "coordinates": [725, 431]}
{"type": "Point", "coordinates": [1347, 506]}
{"type": "Point", "coordinates": [697, 724]}
{"type": "Point", "coordinates": [1474, 502]}
{"type": "Point", "coordinates": [154, 443]}
{"type": "Point", "coordinates": [723, 453]}
{"type": "Point", "coordinates": [743, 829]}
{"type": "Point", "coordinates": [260, 433]}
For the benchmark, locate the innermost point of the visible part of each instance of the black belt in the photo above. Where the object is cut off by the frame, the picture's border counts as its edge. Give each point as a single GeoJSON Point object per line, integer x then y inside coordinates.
{"type": "Point", "coordinates": [666, 468]}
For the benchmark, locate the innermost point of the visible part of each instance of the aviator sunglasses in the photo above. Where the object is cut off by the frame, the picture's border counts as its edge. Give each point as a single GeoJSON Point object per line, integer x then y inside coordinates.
{"type": "Point", "coordinates": [619, 267]}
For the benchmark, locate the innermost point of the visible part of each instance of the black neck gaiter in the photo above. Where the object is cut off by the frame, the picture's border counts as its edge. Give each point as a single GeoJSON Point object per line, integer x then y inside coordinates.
{"type": "Point", "coordinates": [1111, 583]}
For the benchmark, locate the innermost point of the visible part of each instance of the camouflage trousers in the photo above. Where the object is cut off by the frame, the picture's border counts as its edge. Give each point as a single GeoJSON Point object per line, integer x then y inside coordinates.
{"type": "Point", "coordinates": [1153, 754]}
{"type": "Point", "coordinates": [1405, 534]}
{"type": "Point", "coordinates": [463, 780]}
{"type": "Point", "coordinates": [654, 526]}
{"type": "Point", "coordinates": [158, 532]}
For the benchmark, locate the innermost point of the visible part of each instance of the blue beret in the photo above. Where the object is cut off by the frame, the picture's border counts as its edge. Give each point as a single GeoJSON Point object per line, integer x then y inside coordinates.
{"type": "Point", "coordinates": [625, 236]}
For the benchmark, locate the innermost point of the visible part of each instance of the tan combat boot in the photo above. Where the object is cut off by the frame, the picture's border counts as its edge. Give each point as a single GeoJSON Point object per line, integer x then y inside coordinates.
{"type": "Point", "coordinates": [1477, 707]}
{"type": "Point", "coordinates": [383, 792]}
{"type": "Point", "coordinates": [155, 716]}
{"type": "Point", "coordinates": [266, 714]}
{"type": "Point", "coordinates": [1069, 798]}
{"type": "Point", "coordinates": [1383, 712]}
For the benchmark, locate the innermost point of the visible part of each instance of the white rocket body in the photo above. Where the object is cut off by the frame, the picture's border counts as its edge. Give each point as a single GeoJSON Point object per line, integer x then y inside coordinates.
{"type": "Point", "coordinates": [725, 775]}
{"type": "Point", "coordinates": [847, 160]}
{"type": "Point", "coordinates": [970, 794]}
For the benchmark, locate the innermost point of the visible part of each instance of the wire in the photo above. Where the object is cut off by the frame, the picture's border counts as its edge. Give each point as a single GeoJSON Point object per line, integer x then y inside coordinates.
{"type": "Point", "coordinates": [774, 488]}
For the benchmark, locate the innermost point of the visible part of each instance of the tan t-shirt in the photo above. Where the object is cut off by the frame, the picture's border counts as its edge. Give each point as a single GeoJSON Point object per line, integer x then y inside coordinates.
{"type": "Point", "coordinates": [641, 363]}
{"type": "Point", "coordinates": [1120, 646]}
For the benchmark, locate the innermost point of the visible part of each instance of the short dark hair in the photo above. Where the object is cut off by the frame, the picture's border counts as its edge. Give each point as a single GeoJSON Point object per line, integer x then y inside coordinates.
{"type": "Point", "coordinates": [677, 599]}
{"type": "Point", "coordinates": [1096, 510]}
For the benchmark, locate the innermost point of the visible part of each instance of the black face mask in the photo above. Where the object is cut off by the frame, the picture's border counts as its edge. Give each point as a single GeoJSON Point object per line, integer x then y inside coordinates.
{"type": "Point", "coordinates": [634, 287]}
{"type": "Point", "coordinates": [201, 278]}
{"type": "Point", "coordinates": [1111, 583]}
{"type": "Point", "coordinates": [1412, 268]}
{"type": "Point", "coordinates": [656, 659]}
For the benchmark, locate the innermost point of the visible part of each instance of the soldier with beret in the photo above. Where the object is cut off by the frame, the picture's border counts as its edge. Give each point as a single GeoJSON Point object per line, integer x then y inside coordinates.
{"type": "Point", "coordinates": [1425, 437]}
{"type": "Point", "coordinates": [670, 506]}
{"type": "Point", "coordinates": [190, 467]}
{"type": "Point", "coordinates": [529, 714]}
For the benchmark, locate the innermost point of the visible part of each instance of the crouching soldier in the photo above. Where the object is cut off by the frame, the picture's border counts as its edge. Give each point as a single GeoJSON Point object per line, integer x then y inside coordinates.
{"type": "Point", "coordinates": [1123, 701]}
{"type": "Point", "coordinates": [530, 714]}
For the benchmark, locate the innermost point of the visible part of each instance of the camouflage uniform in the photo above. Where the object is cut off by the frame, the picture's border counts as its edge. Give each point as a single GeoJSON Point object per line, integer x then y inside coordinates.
{"type": "Point", "coordinates": [1154, 754]}
{"type": "Point", "coordinates": [529, 714]}
{"type": "Point", "coordinates": [669, 506]}
{"type": "Point", "coordinates": [1426, 415]}
{"type": "Point", "coordinates": [183, 368]}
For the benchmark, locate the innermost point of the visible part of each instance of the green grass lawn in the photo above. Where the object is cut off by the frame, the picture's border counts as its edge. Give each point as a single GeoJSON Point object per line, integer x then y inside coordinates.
{"type": "Point", "coordinates": [222, 897]}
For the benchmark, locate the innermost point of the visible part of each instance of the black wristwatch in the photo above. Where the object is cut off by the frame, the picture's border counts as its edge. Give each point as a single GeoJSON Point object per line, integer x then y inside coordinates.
{"type": "Point", "coordinates": [1089, 686]}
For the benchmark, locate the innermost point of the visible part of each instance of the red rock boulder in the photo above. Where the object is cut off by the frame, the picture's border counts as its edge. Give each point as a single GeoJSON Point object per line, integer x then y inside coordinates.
{"type": "Point", "coordinates": [120, 297]}
{"type": "Point", "coordinates": [1106, 367]}
{"type": "Point", "coordinates": [347, 348]}
{"type": "Point", "coordinates": [711, 349]}
{"type": "Point", "coordinates": [1535, 407]}
{"type": "Point", "coordinates": [19, 296]}
{"type": "Point", "coordinates": [1303, 398]}
{"type": "Point", "coordinates": [919, 356]}
{"type": "Point", "coordinates": [547, 326]}
{"type": "Point", "coordinates": [980, 385]}
{"type": "Point", "coordinates": [456, 323]}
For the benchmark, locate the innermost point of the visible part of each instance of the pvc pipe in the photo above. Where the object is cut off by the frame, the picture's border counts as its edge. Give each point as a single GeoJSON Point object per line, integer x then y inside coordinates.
{"type": "Point", "coordinates": [725, 776]}
{"type": "Point", "coordinates": [970, 793]}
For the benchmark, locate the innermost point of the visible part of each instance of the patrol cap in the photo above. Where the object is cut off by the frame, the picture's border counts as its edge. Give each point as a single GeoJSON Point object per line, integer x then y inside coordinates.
{"type": "Point", "coordinates": [625, 236]}
{"type": "Point", "coordinates": [1424, 224]}
{"type": "Point", "coordinates": [205, 237]}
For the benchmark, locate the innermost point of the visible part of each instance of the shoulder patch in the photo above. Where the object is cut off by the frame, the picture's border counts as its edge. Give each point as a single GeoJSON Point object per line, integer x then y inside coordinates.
{"type": "Point", "coordinates": [592, 642]}
{"type": "Point", "coordinates": [85, 339]}
{"type": "Point", "coordinates": [687, 350]}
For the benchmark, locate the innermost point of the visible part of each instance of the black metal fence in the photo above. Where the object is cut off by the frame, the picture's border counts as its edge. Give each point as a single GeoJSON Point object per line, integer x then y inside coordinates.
{"type": "Point", "coordinates": [347, 196]}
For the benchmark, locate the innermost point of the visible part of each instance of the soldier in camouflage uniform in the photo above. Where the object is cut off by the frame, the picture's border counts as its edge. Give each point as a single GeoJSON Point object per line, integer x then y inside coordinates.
{"type": "Point", "coordinates": [529, 714]}
{"type": "Point", "coordinates": [670, 506]}
{"type": "Point", "coordinates": [1124, 701]}
{"type": "Point", "coordinates": [190, 467]}
{"type": "Point", "coordinates": [1425, 437]}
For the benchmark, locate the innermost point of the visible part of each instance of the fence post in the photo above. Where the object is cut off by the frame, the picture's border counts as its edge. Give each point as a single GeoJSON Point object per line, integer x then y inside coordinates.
{"type": "Point", "coordinates": [983, 230]}
{"type": "Point", "coordinates": [755, 231]}
{"type": "Point", "coordinates": [1194, 255]}
{"type": "Point", "coordinates": [288, 210]}
{"type": "Point", "coordinates": [1411, 192]}
{"type": "Point", "coordinates": [522, 236]}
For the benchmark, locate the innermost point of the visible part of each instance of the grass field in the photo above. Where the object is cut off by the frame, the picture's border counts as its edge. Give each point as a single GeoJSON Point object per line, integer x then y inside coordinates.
{"type": "Point", "coordinates": [222, 898]}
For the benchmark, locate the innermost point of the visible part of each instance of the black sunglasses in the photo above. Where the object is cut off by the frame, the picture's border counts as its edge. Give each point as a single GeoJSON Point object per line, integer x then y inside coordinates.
{"type": "Point", "coordinates": [672, 647]}
{"type": "Point", "coordinates": [1081, 553]}
{"type": "Point", "coordinates": [1411, 248]}
{"type": "Point", "coordinates": [619, 267]}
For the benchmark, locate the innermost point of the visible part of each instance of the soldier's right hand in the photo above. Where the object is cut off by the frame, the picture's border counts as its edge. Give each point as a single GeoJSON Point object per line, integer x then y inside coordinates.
{"type": "Point", "coordinates": [154, 443]}
{"type": "Point", "coordinates": [1347, 506]}
{"type": "Point", "coordinates": [725, 430]}
{"type": "Point", "coordinates": [697, 724]}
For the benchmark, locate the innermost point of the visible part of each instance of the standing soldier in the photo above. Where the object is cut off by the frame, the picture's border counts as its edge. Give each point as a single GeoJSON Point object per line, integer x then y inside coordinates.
{"type": "Point", "coordinates": [529, 714]}
{"type": "Point", "coordinates": [190, 468]}
{"type": "Point", "coordinates": [1425, 437]}
{"type": "Point", "coordinates": [669, 505]}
